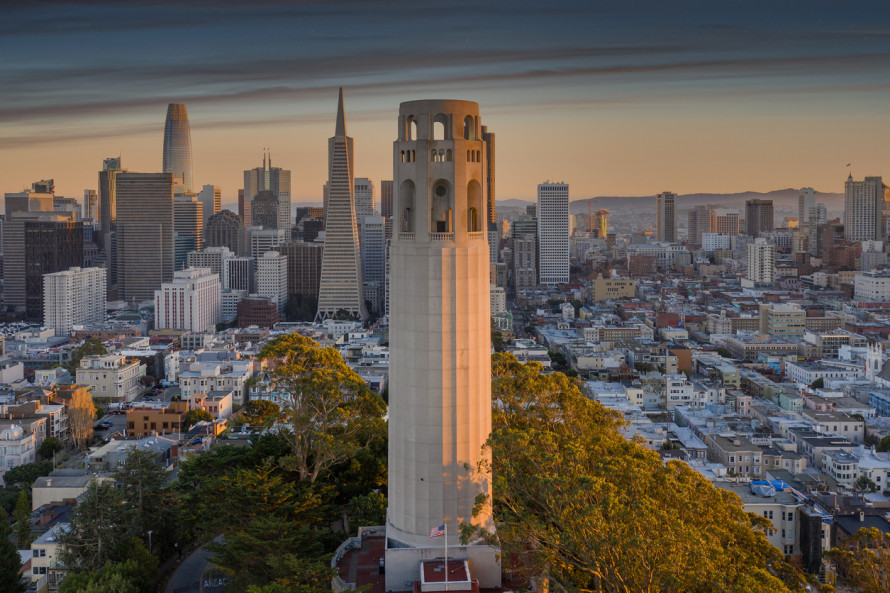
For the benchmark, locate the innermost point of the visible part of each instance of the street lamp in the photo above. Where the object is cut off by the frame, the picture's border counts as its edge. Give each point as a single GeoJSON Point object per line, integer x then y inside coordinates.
{"type": "Point", "coordinates": [149, 541]}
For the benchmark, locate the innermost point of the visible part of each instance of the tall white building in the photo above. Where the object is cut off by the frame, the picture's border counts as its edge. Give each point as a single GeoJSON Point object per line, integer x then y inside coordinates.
{"type": "Point", "coordinates": [761, 261]}
{"type": "Point", "coordinates": [74, 297]}
{"type": "Point", "coordinates": [271, 278]}
{"type": "Point", "coordinates": [806, 199]}
{"type": "Point", "coordinates": [214, 258]}
{"type": "Point", "coordinates": [666, 217]}
{"type": "Point", "coordinates": [364, 198]}
{"type": "Point", "coordinates": [340, 287]}
{"type": "Point", "coordinates": [553, 233]}
{"type": "Point", "coordinates": [191, 301]}
{"type": "Point", "coordinates": [863, 203]}
{"type": "Point", "coordinates": [262, 240]}
{"type": "Point", "coordinates": [210, 197]}
{"type": "Point", "coordinates": [440, 370]}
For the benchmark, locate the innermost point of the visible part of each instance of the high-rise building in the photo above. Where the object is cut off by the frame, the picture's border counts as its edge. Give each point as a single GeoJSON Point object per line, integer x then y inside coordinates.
{"type": "Point", "coordinates": [758, 217]}
{"type": "Point", "coordinates": [178, 148]}
{"type": "Point", "coordinates": [817, 219]}
{"type": "Point", "coordinates": [263, 240]}
{"type": "Point", "coordinates": [491, 215]}
{"type": "Point", "coordinates": [666, 217]}
{"type": "Point", "coordinates": [188, 226]}
{"type": "Point", "coordinates": [240, 274]}
{"type": "Point", "coordinates": [36, 241]}
{"type": "Point", "coordinates": [553, 233]}
{"type": "Point", "coordinates": [373, 246]}
{"type": "Point", "coordinates": [386, 198]}
{"type": "Point", "coordinates": [525, 256]}
{"type": "Point", "coordinates": [341, 273]}
{"type": "Point", "coordinates": [267, 177]}
{"type": "Point", "coordinates": [364, 198]}
{"type": "Point", "coordinates": [107, 213]}
{"type": "Point", "coordinates": [440, 373]}
{"type": "Point", "coordinates": [264, 209]}
{"type": "Point", "coordinates": [90, 204]}
{"type": "Point", "coordinates": [225, 230]}
{"type": "Point", "coordinates": [213, 258]}
{"type": "Point", "coordinates": [271, 278]}
{"type": "Point", "coordinates": [74, 297]}
{"type": "Point", "coordinates": [211, 198]}
{"type": "Point", "coordinates": [761, 261]}
{"type": "Point", "coordinates": [145, 235]}
{"type": "Point", "coordinates": [190, 301]}
{"type": "Point", "coordinates": [601, 223]}
{"type": "Point", "coordinates": [863, 203]}
{"type": "Point", "coordinates": [699, 222]}
{"type": "Point", "coordinates": [303, 267]}
{"type": "Point", "coordinates": [806, 199]}
{"type": "Point", "coordinates": [725, 221]}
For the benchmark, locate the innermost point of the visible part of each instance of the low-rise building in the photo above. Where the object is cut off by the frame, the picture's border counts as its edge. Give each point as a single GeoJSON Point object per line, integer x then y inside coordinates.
{"type": "Point", "coordinates": [17, 447]}
{"type": "Point", "coordinates": [111, 376]}
{"type": "Point", "coordinates": [147, 421]}
{"type": "Point", "coordinates": [740, 456]}
{"type": "Point", "coordinates": [45, 558]}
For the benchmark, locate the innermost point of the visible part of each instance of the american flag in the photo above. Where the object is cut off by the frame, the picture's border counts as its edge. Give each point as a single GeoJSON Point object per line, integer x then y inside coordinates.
{"type": "Point", "coordinates": [438, 531]}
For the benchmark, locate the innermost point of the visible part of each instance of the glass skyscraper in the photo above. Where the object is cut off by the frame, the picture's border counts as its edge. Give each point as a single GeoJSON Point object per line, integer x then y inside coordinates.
{"type": "Point", "coordinates": [178, 148]}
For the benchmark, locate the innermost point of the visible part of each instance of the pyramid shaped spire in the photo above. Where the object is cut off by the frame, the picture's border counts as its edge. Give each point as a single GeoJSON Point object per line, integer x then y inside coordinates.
{"type": "Point", "coordinates": [341, 118]}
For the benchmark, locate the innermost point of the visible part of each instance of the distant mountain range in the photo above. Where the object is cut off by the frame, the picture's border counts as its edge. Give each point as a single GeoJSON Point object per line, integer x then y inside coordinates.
{"type": "Point", "coordinates": [782, 199]}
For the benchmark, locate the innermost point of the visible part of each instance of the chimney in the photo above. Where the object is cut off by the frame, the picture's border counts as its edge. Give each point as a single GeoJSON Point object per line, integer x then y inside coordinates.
{"type": "Point", "coordinates": [862, 516]}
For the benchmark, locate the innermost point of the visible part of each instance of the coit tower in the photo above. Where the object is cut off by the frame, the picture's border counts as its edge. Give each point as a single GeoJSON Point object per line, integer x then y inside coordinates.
{"type": "Point", "coordinates": [440, 361]}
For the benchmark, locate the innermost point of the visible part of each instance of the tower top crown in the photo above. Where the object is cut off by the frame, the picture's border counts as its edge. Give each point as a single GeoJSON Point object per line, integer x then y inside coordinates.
{"type": "Point", "coordinates": [341, 118]}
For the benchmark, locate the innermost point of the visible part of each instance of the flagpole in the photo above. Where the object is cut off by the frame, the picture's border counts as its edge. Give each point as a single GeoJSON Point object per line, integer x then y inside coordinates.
{"type": "Point", "coordinates": [446, 555]}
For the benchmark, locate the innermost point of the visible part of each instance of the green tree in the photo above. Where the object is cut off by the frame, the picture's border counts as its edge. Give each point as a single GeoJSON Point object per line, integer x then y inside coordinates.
{"type": "Point", "coordinates": [141, 481]}
{"type": "Point", "coordinates": [723, 352]}
{"type": "Point", "coordinates": [883, 445]}
{"type": "Point", "coordinates": [23, 521]}
{"type": "Point", "coordinates": [367, 510]}
{"type": "Point", "coordinates": [297, 575]}
{"type": "Point", "coordinates": [497, 338]}
{"type": "Point", "coordinates": [863, 560]}
{"type": "Point", "coordinates": [260, 412]}
{"type": "Point", "coordinates": [300, 308]}
{"type": "Point", "coordinates": [584, 509]}
{"type": "Point", "coordinates": [90, 347]}
{"type": "Point", "coordinates": [331, 413]}
{"type": "Point", "coordinates": [25, 474]}
{"type": "Point", "coordinates": [10, 562]}
{"type": "Point", "coordinates": [100, 530]}
{"type": "Point", "coordinates": [194, 416]}
{"type": "Point", "coordinates": [818, 383]}
{"type": "Point", "coordinates": [50, 446]}
{"type": "Point", "coordinates": [865, 484]}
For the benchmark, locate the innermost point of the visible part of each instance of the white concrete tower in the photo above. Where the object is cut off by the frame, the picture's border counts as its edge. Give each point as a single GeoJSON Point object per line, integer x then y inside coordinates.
{"type": "Point", "coordinates": [440, 369]}
{"type": "Point", "coordinates": [340, 287]}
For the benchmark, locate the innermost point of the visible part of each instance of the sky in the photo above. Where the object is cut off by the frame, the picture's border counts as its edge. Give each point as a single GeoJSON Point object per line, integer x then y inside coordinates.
{"type": "Point", "coordinates": [615, 98]}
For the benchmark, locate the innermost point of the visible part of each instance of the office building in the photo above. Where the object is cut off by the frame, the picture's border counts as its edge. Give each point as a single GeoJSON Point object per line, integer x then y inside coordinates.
{"type": "Point", "coordinates": [666, 217]}
{"type": "Point", "coordinates": [190, 302]}
{"type": "Point", "coordinates": [271, 278]}
{"type": "Point", "coordinates": [725, 221]}
{"type": "Point", "coordinates": [806, 199]}
{"type": "Point", "coordinates": [258, 311]}
{"type": "Point", "coordinates": [525, 269]}
{"type": "Point", "coordinates": [440, 279]}
{"type": "Point", "coordinates": [267, 178]}
{"type": "Point", "coordinates": [90, 204]}
{"type": "Point", "coordinates": [761, 262]}
{"type": "Point", "coordinates": [698, 223]}
{"type": "Point", "coordinates": [263, 240]}
{"type": "Point", "coordinates": [341, 273]}
{"type": "Point", "coordinates": [601, 223]}
{"type": "Point", "coordinates": [553, 233]}
{"type": "Point", "coordinates": [386, 198]}
{"type": "Point", "coordinates": [145, 235]}
{"type": "Point", "coordinates": [863, 204]}
{"type": "Point", "coordinates": [178, 148]}
{"type": "Point", "coordinates": [758, 217]}
{"type": "Point", "coordinates": [107, 215]}
{"type": "Point", "coordinates": [240, 274]}
{"type": "Point", "coordinates": [303, 267]}
{"type": "Point", "coordinates": [188, 227]}
{"type": "Point", "coordinates": [372, 232]}
{"type": "Point", "coordinates": [364, 198]}
{"type": "Point", "coordinates": [264, 210]}
{"type": "Point", "coordinates": [225, 230]}
{"type": "Point", "coordinates": [214, 258]}
{"type": "Point", "coordinates": [74, 297]}
{"type": "Point", "coordinates": [210, 197]}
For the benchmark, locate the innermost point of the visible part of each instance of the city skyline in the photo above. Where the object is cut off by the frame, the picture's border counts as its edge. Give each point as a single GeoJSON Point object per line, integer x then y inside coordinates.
{"type": "Point", "coordinates": [587, 94]}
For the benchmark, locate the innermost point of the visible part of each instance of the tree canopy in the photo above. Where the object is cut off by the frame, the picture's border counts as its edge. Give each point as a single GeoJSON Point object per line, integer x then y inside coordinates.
{"type": "Point", "coordinates": [863, 560]}
{"type": "Point", "coordinates": [10, 563]}
{"type": "Point", "coordinates": [90, 346]}
{"type": "Point", "coordinates": [577, 503]}
{"type": "Point", "coordinates": [331, 413]}
{"type": "Point", "coordinates": [194, 416]}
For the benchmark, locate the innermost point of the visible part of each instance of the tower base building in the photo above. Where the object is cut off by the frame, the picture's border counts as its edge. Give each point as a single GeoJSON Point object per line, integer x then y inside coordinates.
{"type": "Point", "coordinates": [440, 369]}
